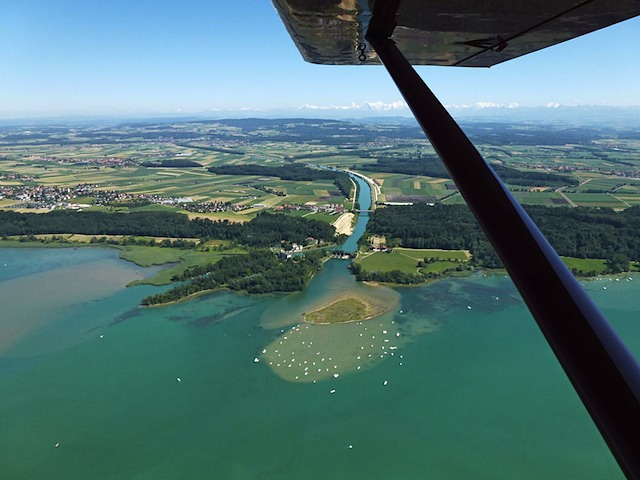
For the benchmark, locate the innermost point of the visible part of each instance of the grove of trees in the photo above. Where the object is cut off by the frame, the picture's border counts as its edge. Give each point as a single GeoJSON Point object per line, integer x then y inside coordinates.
{"type": "Point", "coordinates": [261, 271]}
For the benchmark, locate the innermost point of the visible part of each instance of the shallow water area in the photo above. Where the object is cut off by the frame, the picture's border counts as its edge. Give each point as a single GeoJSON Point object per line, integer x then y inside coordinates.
{"type": "Point", "coordinates": [176, 392]}
{"type": "Point", "coordinates": [332, 282]}
{"type": "Point", "coordinates": [309, 353]}
{"type": "Point", "coordinates": [306, 352]}
{"type": "Point", "coordinates": [49, 293]}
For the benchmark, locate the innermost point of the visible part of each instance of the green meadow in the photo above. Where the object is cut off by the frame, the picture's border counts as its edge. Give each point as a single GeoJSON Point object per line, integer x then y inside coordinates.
{"type": "Point", "coordinates": [433, 254]}
{"type": "Point", "coordinates": [388, 262]}
{"type": "Point", "coordinates": [438, 267]}
{"type": "Point", "coordinates": [406, 260]}
{"type": "Point", "coordinates": [585, 265]}
{"type": "Point", "coordinates": [178, 259]}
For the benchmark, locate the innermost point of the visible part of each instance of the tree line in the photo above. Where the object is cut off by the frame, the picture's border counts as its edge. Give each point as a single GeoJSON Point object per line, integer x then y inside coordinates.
{"type": "Point", "coordinates": [178, 163]}
{"type": "Point", "coordinates": [264, 230]}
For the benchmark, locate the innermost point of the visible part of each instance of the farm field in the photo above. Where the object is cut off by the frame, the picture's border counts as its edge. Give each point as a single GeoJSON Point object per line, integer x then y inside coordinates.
{"type": "Point", "coordinates": [603, 161]}
{"type": "Point", "coordinates": [596, 200]}
{"type": "Point", "coordinates": [411, 188]}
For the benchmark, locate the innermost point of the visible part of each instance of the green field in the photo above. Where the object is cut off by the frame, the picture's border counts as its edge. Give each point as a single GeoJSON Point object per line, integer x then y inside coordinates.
{"type": "Point", "coordinates": [429, 253]}
{"type": "Point", "coordinates": [439, 267]}
{"type": "Point", "coordinates": [606, 184]}
{"type": "Point", "coordinates": [596, 200]}
{"type": "Point", "coordinates": [148, 256]}
{"type": "Point", "coordinates": [322, 217]}
{"type": "Point", "coordinates": [406, 260]}
{"type": "Point", "coordinates": [388, 262]}
{"type": "Point", "coordinates": [585, 265]}
{"type": "Point", "coordinates": [548, 199]}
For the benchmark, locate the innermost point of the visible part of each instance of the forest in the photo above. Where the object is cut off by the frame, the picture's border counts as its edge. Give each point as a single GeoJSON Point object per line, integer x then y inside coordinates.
{"type": "Point", "coordinates": [573, 232]}
{"type": "Point", "coordinates": [293, 171]}
{"type": "Point", "coordinates": [263, 231]}
{"type": "Point", "coordinates": [261, 271]}
{"type": "Point", "coordinates": [178, 163]}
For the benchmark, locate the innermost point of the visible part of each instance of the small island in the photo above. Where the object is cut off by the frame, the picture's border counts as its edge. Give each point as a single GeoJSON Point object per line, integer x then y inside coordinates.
{"type": "Point", "coordinates": [352, 307]}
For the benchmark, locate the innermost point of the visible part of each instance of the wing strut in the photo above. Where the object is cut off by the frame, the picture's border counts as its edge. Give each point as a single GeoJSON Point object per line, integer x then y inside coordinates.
{"type": "Point", "coordinates": [604, 373]}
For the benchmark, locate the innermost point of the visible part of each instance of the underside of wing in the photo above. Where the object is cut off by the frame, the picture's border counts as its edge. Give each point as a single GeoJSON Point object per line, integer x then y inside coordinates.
{"type": "Point", "coordinates": [467, 33]}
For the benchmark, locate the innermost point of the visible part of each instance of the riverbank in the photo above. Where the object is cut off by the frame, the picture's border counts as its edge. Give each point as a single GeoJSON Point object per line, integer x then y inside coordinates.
{"type": "Point", "coordinates": [374, 188]}
{"type": "Point", "coordinates": [344, 225]}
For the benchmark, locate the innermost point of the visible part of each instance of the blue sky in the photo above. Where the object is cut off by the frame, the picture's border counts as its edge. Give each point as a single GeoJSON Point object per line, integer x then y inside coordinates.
{"type": "Point", "coordinates": [136, 57]}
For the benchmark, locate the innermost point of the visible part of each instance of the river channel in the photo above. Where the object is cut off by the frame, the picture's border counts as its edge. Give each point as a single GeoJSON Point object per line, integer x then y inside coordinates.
{"type": "Point", "coordinates": [364, 200]}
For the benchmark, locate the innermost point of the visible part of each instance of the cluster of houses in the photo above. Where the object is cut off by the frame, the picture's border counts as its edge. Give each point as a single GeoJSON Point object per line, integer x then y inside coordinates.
{"type": "Point", "coordinates": [51, 197]}
{"type": "Point", "coordinates": [295, 248]}
{"type": "Point", "coordinates": [40, 196]}
{"type": "Point", "coordinates": [97, 161]}
{"type": "Point", "coordinates": [211, 207]}
{"type": "Point", "coordinates": [17, 176]}
{"type": "Point", "coordinates": [312, 207]}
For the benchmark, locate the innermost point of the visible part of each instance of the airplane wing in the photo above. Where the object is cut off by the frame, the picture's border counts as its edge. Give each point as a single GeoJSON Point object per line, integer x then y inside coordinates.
{"type": "Point", "coordinates": [465, 33]}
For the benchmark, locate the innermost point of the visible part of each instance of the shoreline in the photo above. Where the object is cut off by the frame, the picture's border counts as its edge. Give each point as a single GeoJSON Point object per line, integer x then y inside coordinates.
{"type": "Point", "coordinates": [13, 243]}
{"type": "Point", "coordinates": [344, 225]}
{"type": "Point", "coordinates": [191, 296]}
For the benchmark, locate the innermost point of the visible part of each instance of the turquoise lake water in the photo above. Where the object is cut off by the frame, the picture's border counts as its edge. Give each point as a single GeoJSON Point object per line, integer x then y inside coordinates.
{"type": "Point", "coordinates": [465, 393]}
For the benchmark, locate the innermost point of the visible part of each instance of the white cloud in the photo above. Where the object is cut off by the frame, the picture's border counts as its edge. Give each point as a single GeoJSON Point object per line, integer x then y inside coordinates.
{"type": "Point", "coordinates": [496, 105]}
{"type": "Point", "coordinates": [376, 106]}
{"type": "Point", "coordinates": [552, 105]}
{"type": "Point", "coordinates": [483, 105]}
{"type": "Point", "coordinates": [397, 105]}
